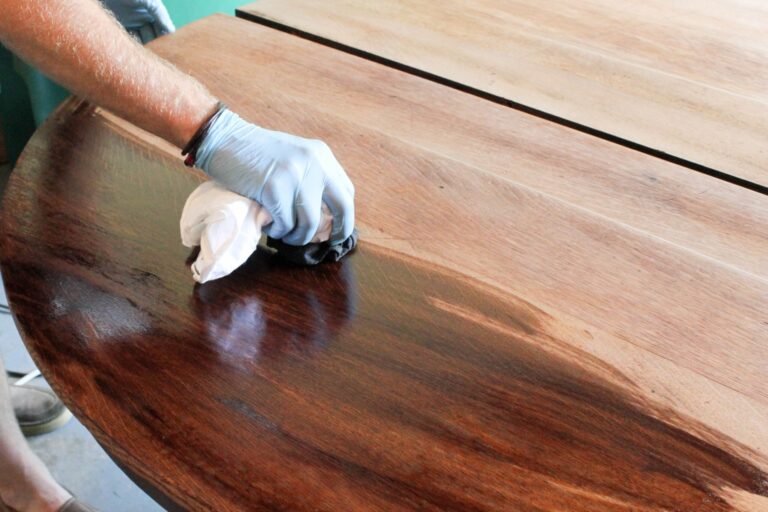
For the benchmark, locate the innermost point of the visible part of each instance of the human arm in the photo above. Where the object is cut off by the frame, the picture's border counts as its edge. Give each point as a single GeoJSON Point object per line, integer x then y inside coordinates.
{"type": "Point", "coordinates": [80, 45]}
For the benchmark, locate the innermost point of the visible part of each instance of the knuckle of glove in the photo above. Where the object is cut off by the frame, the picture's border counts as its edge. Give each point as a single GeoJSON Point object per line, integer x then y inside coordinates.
{"type": "Point", "coordinates": [295, 162]}
{"type": "Point", "coordinates": [317, 152]}
{"type": "Point", "coordinates": [277, 195]}
{"type": "Point", "coordinates": [306, 228]}
{"type": "Point", "coordinates": [282, 220]}
{"type": "Point", "coordinates": [319, 148]}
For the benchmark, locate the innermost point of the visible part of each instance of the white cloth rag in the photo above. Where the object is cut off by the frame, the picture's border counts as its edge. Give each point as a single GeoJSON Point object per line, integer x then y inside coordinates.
{"type": "Point", "coordinates": [227, 227]}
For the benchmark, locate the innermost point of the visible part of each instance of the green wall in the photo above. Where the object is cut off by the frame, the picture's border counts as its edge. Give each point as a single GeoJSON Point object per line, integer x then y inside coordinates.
{"type": "Point", "coordinates": [186, 11]}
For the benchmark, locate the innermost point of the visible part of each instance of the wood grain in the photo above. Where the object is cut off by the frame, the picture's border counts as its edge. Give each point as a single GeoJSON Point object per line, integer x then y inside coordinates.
{"type": "Point", "coordinates": [392, 156]}
{"type": "Point", "coordinates": [491, 346]}
{"type": "Point", "coordinates": [689, 79]}
{"type": "Point", "coordinates": [697, 212]}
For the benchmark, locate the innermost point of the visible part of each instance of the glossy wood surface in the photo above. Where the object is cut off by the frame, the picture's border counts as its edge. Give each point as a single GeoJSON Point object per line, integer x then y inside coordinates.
{"type": "Point", "coordinates": [490, 346]}
{"type": "Point", "coordinates": [688, 78]}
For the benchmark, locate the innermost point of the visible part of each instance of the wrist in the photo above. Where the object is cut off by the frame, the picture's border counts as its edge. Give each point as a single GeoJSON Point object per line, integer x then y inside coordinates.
{"type": "Point", "coordinates": [186, 124]}
{"type": "Point", "coordinates": [192, 147]}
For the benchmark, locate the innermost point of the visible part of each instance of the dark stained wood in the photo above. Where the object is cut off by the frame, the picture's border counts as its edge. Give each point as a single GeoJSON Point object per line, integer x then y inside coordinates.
{"type": "Point", "coordinates": [686, 79]}
{"type": "Point", "coordinates": [552, 360]}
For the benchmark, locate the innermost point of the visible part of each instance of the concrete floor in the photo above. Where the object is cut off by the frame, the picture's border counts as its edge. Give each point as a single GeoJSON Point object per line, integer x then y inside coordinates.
{"type": "Point", "coordinates": [73, 455]}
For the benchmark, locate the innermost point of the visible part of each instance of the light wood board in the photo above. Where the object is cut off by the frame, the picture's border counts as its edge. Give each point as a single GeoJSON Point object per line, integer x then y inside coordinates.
{"type": "Point", "coordinates": [687, 78]}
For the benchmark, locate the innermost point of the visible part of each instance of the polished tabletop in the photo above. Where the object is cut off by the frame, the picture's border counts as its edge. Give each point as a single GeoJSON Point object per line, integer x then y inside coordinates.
{"type": "Point", "coordinates": [489, 346]}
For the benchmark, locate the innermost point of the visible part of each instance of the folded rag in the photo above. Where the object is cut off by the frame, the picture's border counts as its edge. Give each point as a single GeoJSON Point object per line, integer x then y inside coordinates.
{"type": "Point", "coordinates": [227, 227]}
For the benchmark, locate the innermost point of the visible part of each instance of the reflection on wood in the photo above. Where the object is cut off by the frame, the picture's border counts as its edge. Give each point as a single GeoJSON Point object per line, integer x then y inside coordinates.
{"type": "Point", "coordinates": [687, 78]}
{"type": "Point", "coordinates": [524, 353]}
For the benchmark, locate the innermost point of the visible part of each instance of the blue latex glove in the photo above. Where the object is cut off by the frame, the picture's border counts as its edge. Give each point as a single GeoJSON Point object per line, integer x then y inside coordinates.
{"type": "Point", "coordinates": [146, 19]}
{"type": "Point", "coordinates": [288, 175]}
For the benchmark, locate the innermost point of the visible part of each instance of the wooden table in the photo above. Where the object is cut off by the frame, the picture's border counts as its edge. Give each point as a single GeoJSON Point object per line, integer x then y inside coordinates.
{"type": "Point", "coordinates": [685, 80]}
{"type": "Point", "coordinates": [536, 319]}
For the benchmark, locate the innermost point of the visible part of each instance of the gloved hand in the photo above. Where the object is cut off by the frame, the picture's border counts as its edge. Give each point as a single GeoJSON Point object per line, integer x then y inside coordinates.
{"type": "Point", "coordinates": [290, 176]}
{"type": "Point", "coordinates": [135, 14]}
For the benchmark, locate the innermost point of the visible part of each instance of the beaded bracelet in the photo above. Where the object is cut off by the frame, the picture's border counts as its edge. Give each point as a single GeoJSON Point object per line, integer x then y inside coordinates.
{"type": "Point", "coordinates": [190, 150]}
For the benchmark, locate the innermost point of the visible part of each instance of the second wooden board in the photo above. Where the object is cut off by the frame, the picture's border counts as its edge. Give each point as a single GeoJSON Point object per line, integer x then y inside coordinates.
{"type": "Point", "coordinates": [689, 79]}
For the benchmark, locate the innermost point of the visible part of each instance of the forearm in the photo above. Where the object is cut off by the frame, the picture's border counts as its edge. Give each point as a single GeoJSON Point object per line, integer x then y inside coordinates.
{"type": "Point", "coordinates": [79, 44]}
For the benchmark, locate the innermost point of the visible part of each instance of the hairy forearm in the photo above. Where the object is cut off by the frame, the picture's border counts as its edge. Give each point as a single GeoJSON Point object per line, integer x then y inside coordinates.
{"type": "Point", "coordinates": [80, 45]}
